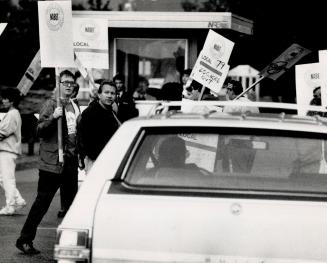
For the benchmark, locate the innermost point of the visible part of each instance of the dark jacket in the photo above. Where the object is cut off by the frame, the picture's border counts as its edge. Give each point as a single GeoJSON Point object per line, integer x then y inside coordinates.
{"type": "Point", "coordinates": [47, 131]}
{"type": "Point", "coordinates": [96, 127]}
{"type": "Point", "coordinates": [126, 107]}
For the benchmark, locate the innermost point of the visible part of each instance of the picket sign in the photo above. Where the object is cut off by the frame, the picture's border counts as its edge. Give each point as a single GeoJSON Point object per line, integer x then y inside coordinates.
{"type": "Point", "coordinates": [211, 67]}
{"type": "Point", "coordinates": [284, 61]}
{"type": "Point", "coordinates": [56, 44]}
{"type": "Point", "coordinates": [90, 42]}
{"type": "Point", "coordinates": [56, 34]}
{"type": "Point", "coordinates": [218, 47]}
{"type": "Point", "coordinates": [30, 75]}
{"type": "Point", "coordinates": [209, 71]}
{"type": "Point", "coordinates": [307, 79]}
{"type": "Point", "coordinates": [279, 65]}
{"type": "Point", "coordinates": [323, 76]}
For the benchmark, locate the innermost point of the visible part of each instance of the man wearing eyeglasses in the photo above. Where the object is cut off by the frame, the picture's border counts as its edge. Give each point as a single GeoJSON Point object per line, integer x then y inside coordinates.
{"type": "Point", "coordinates": [52, 173]}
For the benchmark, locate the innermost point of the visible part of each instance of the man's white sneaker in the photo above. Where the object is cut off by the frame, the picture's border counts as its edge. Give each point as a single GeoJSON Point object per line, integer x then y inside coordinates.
{"type": "Point", "coordinates": [7, 211]}
{"type": "Point", "coordinates": [20, 205]}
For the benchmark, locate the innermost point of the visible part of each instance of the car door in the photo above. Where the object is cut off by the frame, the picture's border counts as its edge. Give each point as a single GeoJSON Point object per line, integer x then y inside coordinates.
{"type": "Point", "coordinates": [181, 226]}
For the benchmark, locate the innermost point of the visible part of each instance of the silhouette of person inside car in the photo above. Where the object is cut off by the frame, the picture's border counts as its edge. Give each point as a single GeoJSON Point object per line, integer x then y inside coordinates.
{"type": "Point", "coordinates": [172, 152]}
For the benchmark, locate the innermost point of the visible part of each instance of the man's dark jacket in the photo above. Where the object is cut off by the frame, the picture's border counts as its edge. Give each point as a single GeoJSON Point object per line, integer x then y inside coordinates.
{"type": "Point", "coordinates": [126, 107]}
{"type": "Point", "coordinates": [95, 129]}
{"type": "Point", "coordinates": [47, 131]}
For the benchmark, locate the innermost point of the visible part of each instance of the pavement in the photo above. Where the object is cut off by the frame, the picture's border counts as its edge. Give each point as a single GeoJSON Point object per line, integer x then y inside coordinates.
{"type": "Point", "coordinates": [26, 161]}
{"type": "Point", "coordinates": [10, 226]}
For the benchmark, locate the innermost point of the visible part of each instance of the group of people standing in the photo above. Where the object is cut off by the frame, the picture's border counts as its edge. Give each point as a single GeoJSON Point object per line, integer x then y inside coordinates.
{"type": "Point", "coordinates": [83, 136]}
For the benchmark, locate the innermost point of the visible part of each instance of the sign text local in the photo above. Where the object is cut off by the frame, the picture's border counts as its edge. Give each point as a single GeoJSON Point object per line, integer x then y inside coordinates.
{"type": "Point", "coordinates": [80, 44]}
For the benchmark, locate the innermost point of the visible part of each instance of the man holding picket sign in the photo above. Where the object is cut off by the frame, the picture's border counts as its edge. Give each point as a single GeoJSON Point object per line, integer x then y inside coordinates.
{"type": "Point", "coordinates": [52, 173]}
{"type": "Point", "coordinates": [57, 121]}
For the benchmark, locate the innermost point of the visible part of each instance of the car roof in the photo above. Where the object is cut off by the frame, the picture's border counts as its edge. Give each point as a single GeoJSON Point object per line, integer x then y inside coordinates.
{"type": "Point", "coordinates": [261, 120]}
{"type": "Point", "coordinates": [212, 118]}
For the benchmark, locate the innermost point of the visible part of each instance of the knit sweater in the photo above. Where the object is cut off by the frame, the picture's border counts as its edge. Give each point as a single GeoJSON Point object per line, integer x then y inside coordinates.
{"type": "Point", "coordinates": [10, 132]}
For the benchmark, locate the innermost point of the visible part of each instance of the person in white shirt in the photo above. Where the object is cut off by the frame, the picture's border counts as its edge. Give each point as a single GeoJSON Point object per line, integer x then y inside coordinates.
{"type": "Point", "coordinates": [10, 148]}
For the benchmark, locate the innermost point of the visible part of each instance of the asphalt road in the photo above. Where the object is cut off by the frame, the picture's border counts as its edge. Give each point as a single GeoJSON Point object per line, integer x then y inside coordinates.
{"type": "Point", "coordinates": [10, 226]}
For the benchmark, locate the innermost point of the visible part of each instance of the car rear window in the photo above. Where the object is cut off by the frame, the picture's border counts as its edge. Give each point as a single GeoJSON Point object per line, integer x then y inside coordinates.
{"type": "Point", "coordinates": [230, 159]}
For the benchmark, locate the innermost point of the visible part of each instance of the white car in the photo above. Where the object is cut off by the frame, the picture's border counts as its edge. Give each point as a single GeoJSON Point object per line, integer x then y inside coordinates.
{"type": "Point", "coordinates": [203, 188]}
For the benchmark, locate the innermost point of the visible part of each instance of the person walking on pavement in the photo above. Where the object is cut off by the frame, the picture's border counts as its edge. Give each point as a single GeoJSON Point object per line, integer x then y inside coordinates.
{"type": "Point", "coordinates": [10, 148]}
{"type": "Point", "coordinates": [98, 123]}
{"type": "Point", "coordinates": [52, 173]}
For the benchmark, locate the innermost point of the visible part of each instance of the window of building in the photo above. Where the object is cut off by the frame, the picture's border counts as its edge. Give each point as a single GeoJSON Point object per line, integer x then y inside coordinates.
{"type": "Point", "coordinates": [158, 60]}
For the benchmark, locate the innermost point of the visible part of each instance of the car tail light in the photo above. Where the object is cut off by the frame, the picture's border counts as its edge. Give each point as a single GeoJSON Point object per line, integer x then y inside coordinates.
{"type": "Point", "coordinates": [72, 246]}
